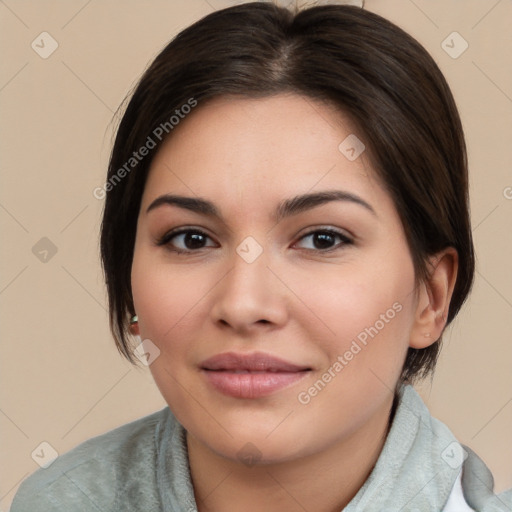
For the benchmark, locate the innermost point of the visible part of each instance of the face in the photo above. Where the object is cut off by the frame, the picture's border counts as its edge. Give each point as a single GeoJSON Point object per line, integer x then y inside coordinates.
{"type": "Point", "coordinates": [282, 302]}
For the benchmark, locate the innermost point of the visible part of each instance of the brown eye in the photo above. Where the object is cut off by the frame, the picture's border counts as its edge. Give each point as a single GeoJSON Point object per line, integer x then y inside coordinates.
{"type": "Point", "coordinates": [185, 240]}
{"type": "Point", "coordinates": [325, 240]}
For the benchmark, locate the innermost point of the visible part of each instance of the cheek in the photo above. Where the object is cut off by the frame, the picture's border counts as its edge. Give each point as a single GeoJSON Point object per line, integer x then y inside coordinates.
{"type": "Point", "coordinates": [164, 300]}
{"type": "Point", "coordinates": [363, 325]}
{"type": "Point", "coordinates": [167, 304]}
{"type": "Point", "coordinates": [358, 301]}
{"type": "Point", "coordinates": [364, 315]}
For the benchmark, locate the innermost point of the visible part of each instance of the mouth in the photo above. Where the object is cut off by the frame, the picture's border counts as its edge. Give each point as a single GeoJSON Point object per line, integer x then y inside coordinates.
{"type": "Point", "coordinates": [250, 363]}
{"type": "Point", "coordinates": [251, 376]}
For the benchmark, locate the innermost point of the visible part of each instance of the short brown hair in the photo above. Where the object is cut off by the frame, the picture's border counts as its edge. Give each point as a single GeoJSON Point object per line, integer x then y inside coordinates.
{"type": "Point", "coordinates": [369, 68]}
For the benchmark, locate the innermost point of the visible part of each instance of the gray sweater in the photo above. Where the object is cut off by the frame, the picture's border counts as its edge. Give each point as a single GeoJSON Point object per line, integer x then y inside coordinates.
{"type": "Point", "coordinates": [143, 466]}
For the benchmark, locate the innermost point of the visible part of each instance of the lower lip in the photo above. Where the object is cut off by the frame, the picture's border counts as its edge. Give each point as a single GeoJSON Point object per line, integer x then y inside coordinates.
{"type": "Point", "coordinates": [252, 385]}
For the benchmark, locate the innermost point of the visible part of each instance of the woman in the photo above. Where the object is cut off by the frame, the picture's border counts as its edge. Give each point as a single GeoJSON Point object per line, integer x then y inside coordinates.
{"type": "Point", "coordinates": [286, 228]}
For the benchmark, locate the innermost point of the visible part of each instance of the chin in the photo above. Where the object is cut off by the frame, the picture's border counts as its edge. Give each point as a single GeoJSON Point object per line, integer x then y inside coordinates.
{"type": "Point", "coordinates": [255, 452]}
{"type": "Point", "coordinates": [260, 443]}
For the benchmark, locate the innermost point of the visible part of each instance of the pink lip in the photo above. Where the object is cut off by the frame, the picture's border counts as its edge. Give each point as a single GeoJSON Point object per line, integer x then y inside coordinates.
{"type": "Point", "coordinates": [251, 376]}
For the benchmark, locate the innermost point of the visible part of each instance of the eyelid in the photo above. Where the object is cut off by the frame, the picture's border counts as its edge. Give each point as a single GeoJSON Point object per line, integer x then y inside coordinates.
{"type": "Point", "coordinates": [338, 231]}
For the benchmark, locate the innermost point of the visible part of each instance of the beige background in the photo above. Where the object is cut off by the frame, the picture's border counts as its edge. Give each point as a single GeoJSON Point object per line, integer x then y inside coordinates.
{"type": "Point", "coordinates": [62, 379]}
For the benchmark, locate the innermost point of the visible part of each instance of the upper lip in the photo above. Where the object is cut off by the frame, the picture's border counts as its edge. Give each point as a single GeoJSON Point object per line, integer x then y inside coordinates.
{"type": "Point", "coordinates": [231, 361]}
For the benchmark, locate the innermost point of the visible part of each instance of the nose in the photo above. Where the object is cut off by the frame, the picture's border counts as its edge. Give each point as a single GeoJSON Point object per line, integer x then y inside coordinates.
{"type": "Point", "coordinates": [250, 297]}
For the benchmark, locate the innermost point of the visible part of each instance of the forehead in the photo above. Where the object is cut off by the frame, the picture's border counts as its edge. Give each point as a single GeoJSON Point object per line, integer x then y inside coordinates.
{"type": "Point", "coordinates": [261, 150]}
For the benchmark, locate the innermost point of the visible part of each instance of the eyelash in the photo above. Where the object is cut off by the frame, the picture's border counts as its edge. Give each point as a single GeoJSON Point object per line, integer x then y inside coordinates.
{"type": "Point", "coordinates": [166, 239]}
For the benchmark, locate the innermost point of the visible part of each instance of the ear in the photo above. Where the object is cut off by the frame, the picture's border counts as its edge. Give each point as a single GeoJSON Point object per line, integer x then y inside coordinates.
{"type": "Point", "coordinates": [433, 299]}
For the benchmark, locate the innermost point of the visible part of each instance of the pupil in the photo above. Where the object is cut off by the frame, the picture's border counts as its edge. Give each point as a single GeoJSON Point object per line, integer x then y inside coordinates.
{"type": "Point", "coordinates": [193, 240]}
{"type": "Point", "coordinates": [323, 240]}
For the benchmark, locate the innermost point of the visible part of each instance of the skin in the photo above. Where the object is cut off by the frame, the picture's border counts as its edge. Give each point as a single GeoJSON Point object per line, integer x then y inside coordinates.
{"type": "Point", "coordinates": [294, 301]}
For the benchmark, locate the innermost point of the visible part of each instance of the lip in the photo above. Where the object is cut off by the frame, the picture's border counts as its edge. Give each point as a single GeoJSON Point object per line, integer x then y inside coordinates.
{"type": "Point", "coordinates": [251, 375]}
{"type": "Point", "coordinates": [258, 361]}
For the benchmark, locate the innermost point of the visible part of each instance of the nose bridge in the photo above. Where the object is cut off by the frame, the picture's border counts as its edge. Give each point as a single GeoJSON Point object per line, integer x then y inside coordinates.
{"type": "Point", "coordinates": [249, 274]}
{"type": "Point", "coordinates": [249, 292]}
{"type": "Point", "coordinates": [250, 265]}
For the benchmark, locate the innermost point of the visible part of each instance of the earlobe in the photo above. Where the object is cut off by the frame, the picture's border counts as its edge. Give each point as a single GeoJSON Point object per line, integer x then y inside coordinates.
{"type": "Point", "coordinates": [434, 296]}
{"type": "Point", "coordinates": [134, 325]}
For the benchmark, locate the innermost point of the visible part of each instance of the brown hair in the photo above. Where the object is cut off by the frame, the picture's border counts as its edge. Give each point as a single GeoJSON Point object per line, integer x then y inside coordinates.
{"type": "Point", "coordinates": [356, 60]}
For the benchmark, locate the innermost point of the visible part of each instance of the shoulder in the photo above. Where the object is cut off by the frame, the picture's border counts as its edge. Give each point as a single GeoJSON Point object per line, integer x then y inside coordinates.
{"type": "Point", "coordinates": [478, 486]}
{"type": "Point", "coordinates": [99, 473]}
{"type": "Point", "coordinates": [466, 481]}
{"type": "Point", "coordinates": [474, 488]}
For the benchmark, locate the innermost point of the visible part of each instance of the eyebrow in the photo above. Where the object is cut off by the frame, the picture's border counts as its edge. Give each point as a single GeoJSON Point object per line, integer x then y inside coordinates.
{"type": "Point", "coordinates": [286, 208]}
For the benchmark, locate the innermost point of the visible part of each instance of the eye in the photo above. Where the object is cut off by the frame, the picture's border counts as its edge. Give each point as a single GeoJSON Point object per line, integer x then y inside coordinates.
{"type": "Point", "coordinates": [325, 240]}
{"type": "Point", "coordinates": [190, 240]}
{"type": "Point", "coordinates": [185, 240]}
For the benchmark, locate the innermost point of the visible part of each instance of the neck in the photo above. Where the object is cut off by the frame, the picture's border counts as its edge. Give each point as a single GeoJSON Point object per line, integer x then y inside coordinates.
{"type": "Point", "coordinates": [324, 481]}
